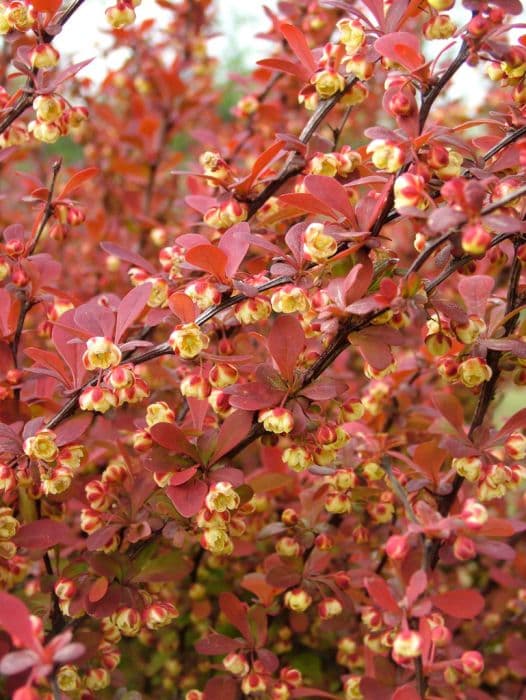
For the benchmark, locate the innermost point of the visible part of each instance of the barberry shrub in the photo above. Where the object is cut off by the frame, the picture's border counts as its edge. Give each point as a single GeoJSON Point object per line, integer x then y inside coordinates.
{"type": "Point", "coordinates": [262, 363]}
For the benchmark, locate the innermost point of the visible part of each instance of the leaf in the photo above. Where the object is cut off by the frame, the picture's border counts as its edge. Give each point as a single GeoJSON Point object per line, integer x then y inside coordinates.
{"type": "Point", "coordinates": [261, 162]}
{"type": "Point", "coordinates": [235, 612]}
{"type": "Point", "coordinates": [51, 361]}
{"type": "Point", "coordinates": [216, 644]}
{"type": "Point", "coordinates": [172, 566]}
{"type": "Point", "coordinates": [270, 481]}
{"type": "Point", "coordinates": [451, 409]}
{"type": "Point", "coordinates": [463, 604]}
{"type": "Point", "coordinates": [183, 307]}
{"type": "Point", "coordinates": [283, 576]}
{"type": "Point", "coordinates": [18, 661]}
{"type": "Point", "coordinates": [328, 190]}
{"type": "Point", "coordinates": [417, 585]}
{"type": "Point", "coordinates": [221, 688]}
{"type": "Point", "coordinates": [235, 243]}
{"type": "Point", "coordinates": [70, 431]}
{"type": "Point", "coordinates": [286, 66]}
{"type": "Point", "coordinates": [128, 256]}
{"type": "Point", "coordinates": [188, 498]}
{"type": "Point", "coordinates": [381, 594]}
{"type": "Point", "coordinates": [234, 429]}
{"type": "Point", "coordinates": [475, 291]}
{"type": "Point", "coordinates": [46, 5]}
{"type": "Point", "coordinates": [131, 308]}
{"type": "Point", "coordinates": [307, 202]}
{"type": "Point", "coordinates": [298, 44]}
{"type": "Point", "coordinates": [78, 179]}
{"type": "Point", "coordinates": [286, 341]}
{"type": "Point", "coordinates": [44, 534]}
{"type": "Point", "coordinates": [14, 618]}
{"type": "Point", "coordinates": [312, 693]}
{"type": "Point", "coordinates": [172, 438]}
{"type": "Point", "coordinates": [98, 589]}
{"type": "Point", "coordinates": [430, 457]}
{"type": "Point", "coordinates": [10, 442]}
{"type": "Point", "coordinates": [407, 692]}
{"type": "Point", "coordinates": [257, 584]}
{"type": "Point", "coordinates": [253, 396]}
{"type": "Point", "coordinates": [400, 47]}
{"type": "Point", "coordinates": [210, 259]}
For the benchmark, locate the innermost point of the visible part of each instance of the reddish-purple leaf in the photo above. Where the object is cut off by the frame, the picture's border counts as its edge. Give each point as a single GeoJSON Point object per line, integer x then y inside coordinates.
{"type": "Point", "coordinates": [417, 585]}
{"type": "Point", "coordinates": [76, 181]}
{"type": "Point", "coordinates": [169, 436]}
{"type": "Point", "coordinates": [253, 396]}
{"type": "Point", "coordinates": [259, 165]}
{"type": "Point", "coordinates": [332, 193]}
{"type": "Point", "coordinates": [381, 594]}
{"type": "Point", "coordinates": [286, 66]}
{"type": "Point", "coordinates": [401, 47]}
{"type": "Point", "coordinates": [183, 476]}
{"type": "Point", "coordinates": [44, 534]}
{"type": "Point", "coordinates": [210, 259]}
{"type": "Point", "coordinates": [463, 604]}
{"type": "Point", "coordinates": [234, 429]}
{"type": "Point", "coordinates": [286, 341]}
{"type": "Point", "coordinates": [222, 688]}
{"type": "Point", "coordinates": [407, 692]}
{"type": "Point", "coordinates": [307, 202]}
{"type": "Point", "coordinates": [18, 661]}
{"type": "Point", "coordinates": [235, 612]}
{"type": "Point", "coordinates": [188, 498]}
{"type": "Point", "coordinates": [298, 43]}
{"type": "Point", "coordinates": [183, 307]}
{"type": "Point", "coordinates": [475, 291]}
{"type": "Point", "coordinates": [128, 256]}
{"type": "Point", "coordinates": [451, 408]}
{"type": "Point", "coordinates": [216, 644]}
{"type": "Point", "coordinates": [131, 308]}
{"type": "Point", "coordinates": [70, 431]}
{"type": "Point", "coordinates": [14, 619]}
{"type": "Point", "coordinates": [10, 442]}
{"type": "Point", "coordinates": [235, 243]}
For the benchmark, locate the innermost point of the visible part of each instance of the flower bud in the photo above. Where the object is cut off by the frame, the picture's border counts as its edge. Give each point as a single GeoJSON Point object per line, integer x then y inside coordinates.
{"type": "Point", "coordinates": [329, 607]}
{"type": "Point", "coordinates": [195, 386]}
{"type": "Point", "coordinates": [188, 341]}
{"type": "Point", "coordinates": [127, 620]}
{"type": "Point", "coordinates": [68, 679]}
{"type": "Point", "coordinates": [159, 615]}
{"type": "Point", "coordinates": [120, 15]}
{"type": "Point", "coordinates": [217, 541]}
{"type": "Point", "coordinates": [318, 245]}
{"type": "Point", "coordinates": [297, 458]}
{"type": "Point", "coordinates": [253, 684]}
{"type": "Point", "coordinates": [222, 497]}
{"type": "Point", "coordinates": [288, 547]}
{"type": "Point", "coordinates": [352, 35]}
{"type": "Point", "coordinates": [474, 371]}
{"type": "Point", "coordinates": [159, 412]}
{"type": "Point", "coordinates": [474, 514]}
{"type": "Point", "coordinates": [252, 310]}
{"type": "Point", "coordinates": [236, 664]}
{"type": "Point", "coordinates": [397, 547]}
{"type": "Point", "coordinates": [439, 27]}
{"type": "Point", "coordinates": [475, 239]}
{"type": "Point", "coordinates": [290, 299]}
{"type": "Point", "coordinates": [222, 375]}
{"type": "Point", "coordinates": [386, 155]}
{"type": "Point", "coordinates": [328, 83]}
{"type": "Point", "coordinates": [101, 353]}
{"type": "Point", "coordinates": [472, 663]}
{"type": "Point", "coordinates": [43, 56]}
{"type": "Point", "coordinates": [515, 446]}
{"type": "Point", "coordinates": [409, 191]}
{"type": "Point", "coordinates": [468, 467]}
{"type": "Point", "coordinates": [41, 446]}
{"type": "Point", "coordinates": [297, 600]}
{"type": "Point", "coordinates": [407, 644]}
{"type": "Point", "coordinates": [203, 293]}
{"type": "Point", "coordinates": [464, 548]}
{"type": "Point", "coordinates": [276, 420]}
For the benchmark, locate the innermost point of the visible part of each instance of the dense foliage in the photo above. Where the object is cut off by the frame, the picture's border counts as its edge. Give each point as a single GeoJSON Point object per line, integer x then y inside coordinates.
{"type": "Point", "coordinates": [263, 357]}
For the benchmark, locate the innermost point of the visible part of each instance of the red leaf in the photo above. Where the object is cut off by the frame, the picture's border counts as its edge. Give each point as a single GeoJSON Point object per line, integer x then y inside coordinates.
{"type": "Point", "coordinates": [98, 589]}
{"type": "Point", "coordinates": [297, 42]}
{"type": "Point", "coordinates": [330, 192]}
{"type": "Point", "coordinates": [430, 458]}
{"type": "Point", "coordinates": [44, 534]}
{"type": "Point", "coordinates": [286, 341]}
{"type": "Point", "coordinates": [183, 307]}
{"type": "Point", "coordinates": [253, 396]}
{"type": "Point", "coordinates": [46, 5]}
{"type": "Point", "coordinates": [286, 66]}
{"type": "Point", "coordinates": [235, 612]}
{"type": "Point", "coordinates": [72, 430]}
{"type": "Point", "coordinates": [475, 291]}
{"type": "Point", "coordinates": [14, 618]}
{"type": "Point", "coordinates": [417, 585]}
{"type": "Point", "coordinates": [381, 594]}
{"type": "Point", "coordinates": [401, 47]}
{"type": "Point", "coordinates": [188, 498]}
{"type": "Point", "coordinates": [451, 408]}
{"type": "Point", "coordinates": [307, 202]}
{"type": "Point", "coordinates": [172, 438]}
{"type": "Point", "coordinates": [131, 308]}
{"type": "Point", "coordinates": [463, 604]}
{"type": "Point", "coordinates": [183, 476]}
{"type": "Point", "coordinates": [221, 688]}
{"type": "Point", "coordinates": [234, 429]}
{"type": "Point", "coordinates": [259, 166]}
{"type": "Point", "coordinates": [235, 243]}
{"type": "Point", "coordinates": [210, 259]}
{"type": "Point", "coordinates": [79, 178]}
{"type": "Point", "coordinates": [128, 256]}
{"type": "Point", "coordinates": [407, 692]}
{"type": "Point", "coordinates": [216, 644]}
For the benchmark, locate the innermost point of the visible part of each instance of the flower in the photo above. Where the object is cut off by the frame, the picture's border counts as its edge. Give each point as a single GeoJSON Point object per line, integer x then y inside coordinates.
{"type": "Point", "coordinates": [101, 353]}
{"type": "Point", "coordinates": [277, 420]}
{"type": "Point", "coordinates": [188, 341]}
